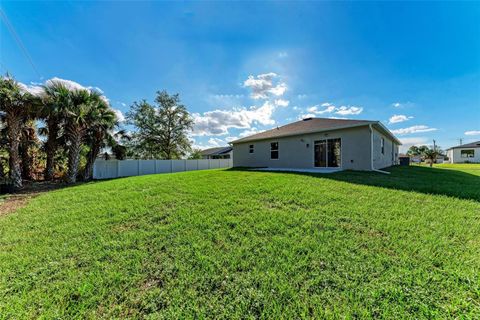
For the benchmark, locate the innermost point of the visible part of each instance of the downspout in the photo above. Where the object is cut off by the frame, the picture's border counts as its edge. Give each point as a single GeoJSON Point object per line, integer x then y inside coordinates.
{"type": "Point", "coordinates": [371, 152]}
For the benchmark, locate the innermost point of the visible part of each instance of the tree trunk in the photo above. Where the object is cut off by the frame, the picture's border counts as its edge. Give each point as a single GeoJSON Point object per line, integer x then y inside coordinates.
{"type": "Point", "coordinates": [50, 149]}
{"type": "Point", "coordinates": [14, 126]}
{"type": "Point", "coordinates": [27, 163]}
{"type": "Point", "coordinates": [74, 156]}
{"type": "Point", "coordinates": [91, 157]}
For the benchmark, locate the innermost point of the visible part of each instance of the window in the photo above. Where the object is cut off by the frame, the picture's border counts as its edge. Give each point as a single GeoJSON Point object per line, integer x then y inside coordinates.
{"type": "Point", "coordinates": [467, 153]}
{"type": "Point", "coordinates": [382, 144]}
{"type": "Point", "coordinates": [274, 150]}
{"type": "Point", "coordinates": [250, 148]}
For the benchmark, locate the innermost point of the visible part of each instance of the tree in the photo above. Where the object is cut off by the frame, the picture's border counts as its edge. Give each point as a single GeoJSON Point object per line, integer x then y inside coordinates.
{"type": "Point", "coordinates": [430, 154]}
{"type": "Point", "coordinates": [416, 150]}
{"type": "Point", "coordinates": [162, 128]}
{"type": "Point", "coordinates": [16, 102]}
{"type": "Point", "coordinates": [55, 104]}
{"type": "Point", "coordinates": [29, 148]}
{"type": "Point", "coordinates": [99, 134]}
{"type": "Point", "coordinates": [3, 151]}
{"type": "Point", "coordinates": [196, 154]}
{"type": "Point", "coordinates": [78, 117]}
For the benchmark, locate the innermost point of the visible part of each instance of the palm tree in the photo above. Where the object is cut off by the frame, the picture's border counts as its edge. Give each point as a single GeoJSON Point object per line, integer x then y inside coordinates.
{"type": "Point", "coordinates": [29, 147]}
{"type": "Point", "coordinates": [99, 134]}
{"type": "Point", "coordinates": [15, 105]}
{"type": "Point", "coordinates": [56, 102]}
{"type": "Point", "coordinates": [430, 154]}
{"type": "Point", "coordinates": [78, 117]}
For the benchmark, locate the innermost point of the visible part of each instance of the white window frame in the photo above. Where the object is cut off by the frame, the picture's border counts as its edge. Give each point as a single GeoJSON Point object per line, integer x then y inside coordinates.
{"type": "Point", "coordinates": [467, 156]}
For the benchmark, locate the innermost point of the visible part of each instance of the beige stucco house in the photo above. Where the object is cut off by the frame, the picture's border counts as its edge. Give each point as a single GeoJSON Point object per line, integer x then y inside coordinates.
{"type": "Point", "coordinates": [319, 143]}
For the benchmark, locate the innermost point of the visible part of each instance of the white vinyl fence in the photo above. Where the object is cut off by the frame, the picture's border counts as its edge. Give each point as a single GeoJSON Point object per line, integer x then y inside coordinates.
{"type": "Point", "coordinates": [108, 169]}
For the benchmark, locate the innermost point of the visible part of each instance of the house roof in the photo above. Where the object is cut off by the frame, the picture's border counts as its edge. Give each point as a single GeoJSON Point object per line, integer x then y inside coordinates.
{"type": "Point", "coordinates": [475, 144]}
{"type": "Point", "coordinates": [216, 151]}
{"type": "Point", "coordinates": [313, 125]}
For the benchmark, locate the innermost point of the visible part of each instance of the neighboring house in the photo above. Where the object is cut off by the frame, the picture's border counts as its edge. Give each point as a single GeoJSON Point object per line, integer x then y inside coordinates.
{"type": "Point", "coordinates": [320, 143]}
{"type": "Point", "coordinates": [469, 152]}
{"type": "Point", "coordinates": [440, 159]}
{"type": "Point", "coordinates": [217, 153]}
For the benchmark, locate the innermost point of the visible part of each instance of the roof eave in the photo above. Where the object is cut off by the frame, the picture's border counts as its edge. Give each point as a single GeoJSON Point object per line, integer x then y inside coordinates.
{"type": "Point", "coordinates": [385, 129]}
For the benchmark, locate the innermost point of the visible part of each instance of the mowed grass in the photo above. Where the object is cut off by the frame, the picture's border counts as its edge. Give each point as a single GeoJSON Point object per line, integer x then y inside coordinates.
{"type": "Point", "coordinates": [243, 244]}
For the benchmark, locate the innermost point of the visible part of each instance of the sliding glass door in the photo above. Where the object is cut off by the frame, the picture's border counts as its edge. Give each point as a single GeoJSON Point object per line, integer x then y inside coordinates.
{"type": "Point", "coordinates": [321, 153]}
{"type": "Point", "coordinates": [328, 153]}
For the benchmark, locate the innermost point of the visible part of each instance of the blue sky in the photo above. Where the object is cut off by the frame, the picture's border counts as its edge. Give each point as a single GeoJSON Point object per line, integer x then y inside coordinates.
{"type": "Point", "coordinates": [242, 67]}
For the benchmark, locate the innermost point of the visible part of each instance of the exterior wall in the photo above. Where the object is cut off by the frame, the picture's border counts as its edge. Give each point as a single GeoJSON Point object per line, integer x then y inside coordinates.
{"type": "Point", "coordinates": [450, 155]}
{"type": "Point", "coordinates": [390, 155]}
{"type": "Point", "coordinates": [455, 155]}
{"type": "Point", "coordinates": [294, 153]}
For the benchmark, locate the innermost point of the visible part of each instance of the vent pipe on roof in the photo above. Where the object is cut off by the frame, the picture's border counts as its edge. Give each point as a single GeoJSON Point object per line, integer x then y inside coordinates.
{"type": "Point", "coordinates": [306, 119]}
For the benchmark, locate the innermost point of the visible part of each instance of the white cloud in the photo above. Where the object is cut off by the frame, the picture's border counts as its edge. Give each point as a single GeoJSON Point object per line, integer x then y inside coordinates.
{"type": "Point", "coordinates": [282, 54]}
{"type": "Point", "coordinates": [34, 90]}
{"type": "Point", "coordinates": [97, 89]}
{"type": "Point", "coordinates": [75, 86]}
{"type": "Point", "coordinates": [307, 115]}
{"type": "Point", "coordinates": [413, 129]}
{"type": "Point", "coordinates": [348, 110]}
{"type": "Point", "coordinates": [396, 118]}
{"type": "Point", "coordinates": [301, 96]}
{"type": "Point", "coordinates": [216, 142]}
{"type": "Point", "coordinates": [69, 84]}
{"type": "Point", "coordinates": [327, 107]}
{"type": "Point", "coordinates": [249, 132]}
{"type": "Point", "coordinates": [262, 86]}
{"type": "Point", "coordinates": [412, 141]}
{"type": "Point", "coordinates": [472, 133]}
{"type": "Point", "coordinates": [401, 105]}
{"type": "Point", "coordinates": [229, 139]}
{"type": "Point", "coordinates": [217, 122]}
{"type": "Point", "coordinates": [119, 114]}
{"type": "Point", "coordinates": [282, 103]}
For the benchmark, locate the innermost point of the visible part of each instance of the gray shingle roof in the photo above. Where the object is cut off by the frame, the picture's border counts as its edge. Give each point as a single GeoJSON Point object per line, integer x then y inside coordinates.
{"type": "Point", "coordinates": [475, 144]}
{"type": "Point", "coordinates": [215, 151]}
{"type": "Point", "coordinates": [309, 125]}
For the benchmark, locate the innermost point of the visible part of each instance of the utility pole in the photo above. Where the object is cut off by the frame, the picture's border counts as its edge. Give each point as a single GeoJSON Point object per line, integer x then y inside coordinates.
{"type": "Point", "coordinates": [460, 140]}
{"type": "Point", "coordinates": [434, 145]}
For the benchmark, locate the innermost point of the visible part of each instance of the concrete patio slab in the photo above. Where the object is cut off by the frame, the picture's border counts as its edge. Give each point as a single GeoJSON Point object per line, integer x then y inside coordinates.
{"type": "Point", "coordinates": [314, 170]}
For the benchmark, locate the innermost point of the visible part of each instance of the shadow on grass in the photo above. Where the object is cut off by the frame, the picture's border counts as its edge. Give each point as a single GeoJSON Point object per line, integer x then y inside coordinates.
{"type": "Point", "coordinates": [452, 183]}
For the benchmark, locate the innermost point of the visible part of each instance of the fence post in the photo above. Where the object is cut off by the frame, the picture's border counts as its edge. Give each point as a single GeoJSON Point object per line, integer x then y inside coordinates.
{"type": "Point", "coordinates": [138, 167]}
{"type": "Point", "coordinates": [171, 166]}
{"type": "Point", "coordinates": [118, 169]}
{"type": "Point", "coordinates": [197, 164]}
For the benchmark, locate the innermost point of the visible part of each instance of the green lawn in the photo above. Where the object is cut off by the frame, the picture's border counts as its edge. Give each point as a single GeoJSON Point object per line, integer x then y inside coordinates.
{"type": "Point", "coordinates": [243, 244]}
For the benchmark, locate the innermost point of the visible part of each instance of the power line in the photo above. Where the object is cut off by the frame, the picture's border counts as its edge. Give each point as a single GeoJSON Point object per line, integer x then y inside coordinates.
{"type": "Point", "coordinates": [17, 39]}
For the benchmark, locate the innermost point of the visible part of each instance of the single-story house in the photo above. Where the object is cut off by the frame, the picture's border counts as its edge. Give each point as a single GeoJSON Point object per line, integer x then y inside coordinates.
{"type": "Point", "coordinates": [314, 143]}
{"type": "Point", "coordinates": [469, 152]}
{"type": "Point", "coordinates": [217, 153]}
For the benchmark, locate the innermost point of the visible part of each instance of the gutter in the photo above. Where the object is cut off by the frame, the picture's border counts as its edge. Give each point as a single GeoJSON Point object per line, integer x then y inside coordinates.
{"type": "Point", "coordinates": [371, 152]}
